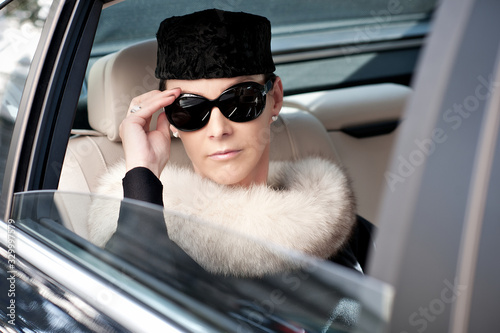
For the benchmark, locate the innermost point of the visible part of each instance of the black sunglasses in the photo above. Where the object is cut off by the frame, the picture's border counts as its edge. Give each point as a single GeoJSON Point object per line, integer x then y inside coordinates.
{"type": "Point", "coordinates": [240, 103]}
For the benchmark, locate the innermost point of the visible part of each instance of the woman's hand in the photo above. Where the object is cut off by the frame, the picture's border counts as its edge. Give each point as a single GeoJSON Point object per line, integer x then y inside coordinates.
{"type": "Point", "coordinates": [145, 148]}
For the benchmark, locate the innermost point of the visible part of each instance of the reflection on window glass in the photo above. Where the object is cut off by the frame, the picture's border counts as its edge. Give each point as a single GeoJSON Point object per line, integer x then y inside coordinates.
{"type": "Point", "coordinates": [21, 25]}
{"type": "Point", "coordinates": [301, 33]}
{"type": "Point", "coordinates": [287, 17]}
{"type": "Point", "coordinates": [302, 295]}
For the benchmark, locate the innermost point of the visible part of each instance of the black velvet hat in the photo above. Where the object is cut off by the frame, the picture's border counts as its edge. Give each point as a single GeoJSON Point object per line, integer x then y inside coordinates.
{"type": "Point", "coordinates": [214, 44]}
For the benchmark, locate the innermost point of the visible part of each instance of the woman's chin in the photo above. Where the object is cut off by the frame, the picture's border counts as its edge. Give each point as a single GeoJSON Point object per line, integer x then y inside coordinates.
{"type": "Point", "coordinates": [229, 174]}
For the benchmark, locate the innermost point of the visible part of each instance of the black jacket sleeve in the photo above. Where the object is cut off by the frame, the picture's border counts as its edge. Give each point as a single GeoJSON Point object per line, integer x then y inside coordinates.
{"type": "Point", "coordinates": [142, 184]}
{"type": "Point", "coordinates": [136, 227]}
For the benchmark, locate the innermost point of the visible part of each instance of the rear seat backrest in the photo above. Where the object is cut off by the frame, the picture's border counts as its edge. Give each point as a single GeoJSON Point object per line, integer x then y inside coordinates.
{"type": "Point", "coordinates": [360, 122]}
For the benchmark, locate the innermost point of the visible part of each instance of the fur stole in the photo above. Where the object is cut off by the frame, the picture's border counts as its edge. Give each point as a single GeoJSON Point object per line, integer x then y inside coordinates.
{"type": "Point", "coordinates": [307, 206]}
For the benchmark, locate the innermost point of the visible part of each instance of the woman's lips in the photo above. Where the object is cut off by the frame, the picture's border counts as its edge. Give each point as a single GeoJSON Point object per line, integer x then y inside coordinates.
{"type": "Point", "coordinates": [224, 154]}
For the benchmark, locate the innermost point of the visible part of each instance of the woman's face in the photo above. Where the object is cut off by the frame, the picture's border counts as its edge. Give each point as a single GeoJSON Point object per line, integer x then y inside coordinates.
{"type": "Point", "coordinates": [224, 151]}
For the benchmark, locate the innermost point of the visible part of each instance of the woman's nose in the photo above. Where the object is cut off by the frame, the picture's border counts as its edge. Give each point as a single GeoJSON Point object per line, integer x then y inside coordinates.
{"type": "Point", "coordinates": [218, 126]}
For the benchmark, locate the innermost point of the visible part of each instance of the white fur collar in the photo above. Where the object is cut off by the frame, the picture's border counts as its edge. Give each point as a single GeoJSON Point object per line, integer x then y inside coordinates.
{"type": "Point", "coordinates": [308, 206]}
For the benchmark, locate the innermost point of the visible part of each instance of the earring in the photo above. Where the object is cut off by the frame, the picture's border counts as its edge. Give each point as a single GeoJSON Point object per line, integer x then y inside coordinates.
{"type": "Point", "coordinates": [274, 118]}
{"type": "Point", "coordinates": [175, 134]}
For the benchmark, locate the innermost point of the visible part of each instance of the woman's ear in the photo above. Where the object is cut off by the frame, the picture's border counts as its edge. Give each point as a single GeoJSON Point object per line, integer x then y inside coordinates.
{"type": "Point", "coordinates": [175, 131]}
{"type": "Point", "coordinates": [277, 93]}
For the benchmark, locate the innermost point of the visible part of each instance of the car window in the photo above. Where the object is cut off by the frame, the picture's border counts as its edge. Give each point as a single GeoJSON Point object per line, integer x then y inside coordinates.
{"type": "Point", "coordinates": [308, 295]}
{"type": "Point", "coordinates": [288, 18]}
{"type": "Point", "coordinates": [21, 25]}
{"type": "Point", "coordinates": [306, 35]}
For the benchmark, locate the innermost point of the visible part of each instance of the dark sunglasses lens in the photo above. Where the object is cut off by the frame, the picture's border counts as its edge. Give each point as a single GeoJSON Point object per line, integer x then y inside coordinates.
{"type": "Point", "coordinates": [242, 103]}
{"type": "Point", "coordinates": [188, 113]}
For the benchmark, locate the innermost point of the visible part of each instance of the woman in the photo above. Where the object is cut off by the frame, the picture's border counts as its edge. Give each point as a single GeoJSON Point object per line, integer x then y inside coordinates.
{"type": "Point", "coordinates": [220, 98]}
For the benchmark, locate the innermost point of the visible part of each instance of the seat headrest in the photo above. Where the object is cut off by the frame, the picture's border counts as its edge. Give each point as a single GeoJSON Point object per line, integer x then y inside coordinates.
{"type": "Point", "coordinates": [114, 80]}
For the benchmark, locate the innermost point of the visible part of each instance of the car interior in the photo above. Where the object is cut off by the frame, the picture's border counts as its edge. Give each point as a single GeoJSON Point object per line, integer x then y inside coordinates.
{"type": "Point", "coordinates": [371, 85]}
{"type": "Point", "coordinates": [357, 92]}
{"type": "Point", "coordinates": [357, 133]}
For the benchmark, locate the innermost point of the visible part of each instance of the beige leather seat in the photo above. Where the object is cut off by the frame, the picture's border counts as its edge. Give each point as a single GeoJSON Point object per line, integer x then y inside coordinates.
{"type": "Point", "coordinates": [117, 78]}
{"type": "Point", "coordinates": [373, 109]}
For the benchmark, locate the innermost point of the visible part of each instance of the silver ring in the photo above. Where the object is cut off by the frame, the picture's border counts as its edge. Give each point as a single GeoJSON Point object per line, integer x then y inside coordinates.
{"type": "Point", "coordinates": [135, 108]}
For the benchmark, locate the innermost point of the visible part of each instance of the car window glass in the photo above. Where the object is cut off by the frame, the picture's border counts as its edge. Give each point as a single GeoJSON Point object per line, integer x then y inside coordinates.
{"type": "Point", "coordinates": [303, 31]}
{"type": "Point", "coordinates": [287, 17]}
{"type": "Point", "coordinates": [304, 294]}
{"type": "Point", "coordinates": [21, 25]}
